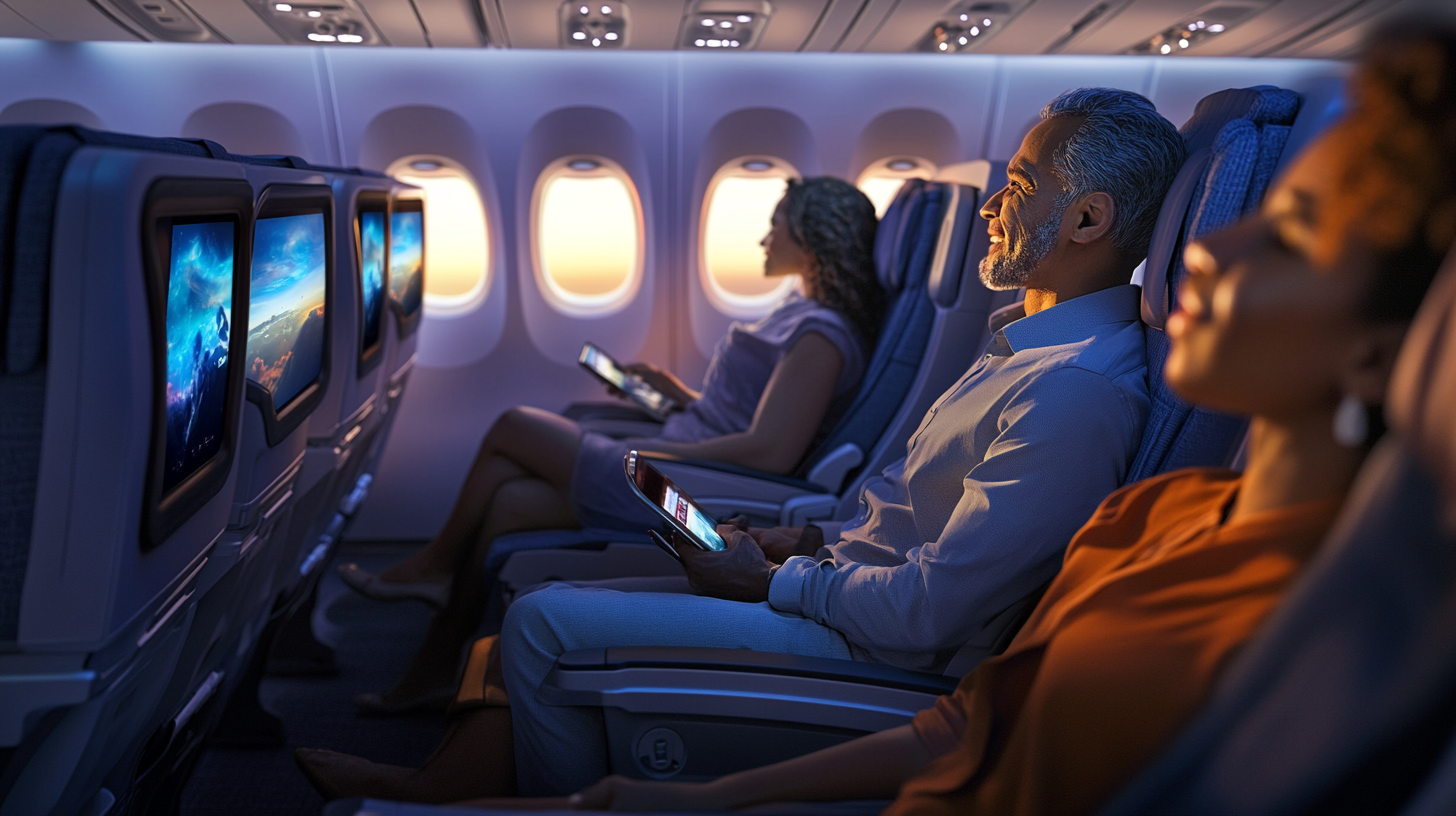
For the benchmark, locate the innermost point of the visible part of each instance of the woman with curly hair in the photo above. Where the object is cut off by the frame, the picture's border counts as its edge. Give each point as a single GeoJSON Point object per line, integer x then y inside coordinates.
{"type": "Point", "coordinates": [773, 388]}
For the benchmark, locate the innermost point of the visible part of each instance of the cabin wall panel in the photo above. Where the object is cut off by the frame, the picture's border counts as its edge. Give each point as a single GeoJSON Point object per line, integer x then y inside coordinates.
{"type": "Point", "coordinates": [354, 107]}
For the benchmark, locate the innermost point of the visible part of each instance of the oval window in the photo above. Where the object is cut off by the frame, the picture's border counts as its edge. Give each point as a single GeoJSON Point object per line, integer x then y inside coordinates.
{"type": "Point", "coordinates": [587, 235]}
{"type": "Point", "coordinates": [737, 210]}
{"type": "Point", "coordinates": [457, 239]}
{"type": "Point", "coordinates": [883, 179]}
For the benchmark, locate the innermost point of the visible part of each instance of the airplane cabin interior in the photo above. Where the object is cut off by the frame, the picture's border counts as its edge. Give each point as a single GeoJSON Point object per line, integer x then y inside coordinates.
{"type": "Point", "coordinates": [276, 276]}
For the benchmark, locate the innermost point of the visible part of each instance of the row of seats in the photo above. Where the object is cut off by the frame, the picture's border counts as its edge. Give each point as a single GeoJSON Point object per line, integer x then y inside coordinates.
{"type": "Point", "coordinates": [695, 713]}
{"type": "Point", "coordinates": [203, 356]}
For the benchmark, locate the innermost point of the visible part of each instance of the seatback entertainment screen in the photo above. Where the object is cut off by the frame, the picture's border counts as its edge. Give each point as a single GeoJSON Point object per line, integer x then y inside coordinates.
{"type": "Point", "coordinates": [371, 274]}
{"type": "Point", "coordinates": [407, 258]}
{"type": "Point", "coordinates": [286, 328]}
{"type": "Point", "coordinates": [199, 302]}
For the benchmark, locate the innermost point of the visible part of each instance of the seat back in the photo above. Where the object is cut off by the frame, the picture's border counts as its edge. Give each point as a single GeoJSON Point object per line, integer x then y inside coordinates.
{"type": "Point", "coordinates": [121, 441]}
{"type": "Point", "coordinates": [1344, 697]}
{"type": "Point", "coordinates": [1235, 139]}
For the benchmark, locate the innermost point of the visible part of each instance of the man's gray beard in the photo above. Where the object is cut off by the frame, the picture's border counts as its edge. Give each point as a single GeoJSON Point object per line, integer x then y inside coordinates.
{"type": "Point", "coordinates": [1012, 268]}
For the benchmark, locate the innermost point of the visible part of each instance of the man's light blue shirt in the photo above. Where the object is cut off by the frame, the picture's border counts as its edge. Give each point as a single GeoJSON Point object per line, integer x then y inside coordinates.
{"type": "Point", "coordinates": [1006, 466]}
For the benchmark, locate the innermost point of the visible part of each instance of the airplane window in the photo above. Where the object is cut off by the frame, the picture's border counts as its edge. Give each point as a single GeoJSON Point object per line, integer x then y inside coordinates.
{"type": "Point", "coordinates": [882, 180]}
{"type": "Point", "coordinates": [587, 230]}
{"type": "Point", "coordinates": [457, 242]}
{"type": "Point", "coordinates": [738, 206]}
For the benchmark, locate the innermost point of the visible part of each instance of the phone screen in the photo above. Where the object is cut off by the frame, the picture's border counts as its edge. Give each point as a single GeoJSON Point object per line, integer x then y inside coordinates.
{"type": "Point", "coordinates": [605, 367]}
{"type": "Point", "coordinates": [674, 504]}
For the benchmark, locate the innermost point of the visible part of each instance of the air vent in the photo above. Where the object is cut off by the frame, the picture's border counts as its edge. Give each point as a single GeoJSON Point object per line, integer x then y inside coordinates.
{"type": "Point", "coordinates": [725, 25]}
{"type": "Point", "coordinates": [166, 20]}
{"type": "Point", "coordinates": [337, 22]}
{"type": "Point", "coordinates": [1179, 39]}
{"type": "Point", "coordinates": [594, 25]}
{"type": "Point", "coordinates": [965, 28]}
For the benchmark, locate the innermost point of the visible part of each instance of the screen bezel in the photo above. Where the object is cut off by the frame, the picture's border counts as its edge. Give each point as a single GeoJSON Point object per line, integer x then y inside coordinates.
{"type": "Point", "coordinates": [279, 200]}
{"type": "Point", "coordinates": [371, 201]}
{"type": "Point", "coordinates": [640, 473]}
{"type": "Point", "coordinates": [407, 323]}
{"type": "Point", "coordinates": [170, 202]}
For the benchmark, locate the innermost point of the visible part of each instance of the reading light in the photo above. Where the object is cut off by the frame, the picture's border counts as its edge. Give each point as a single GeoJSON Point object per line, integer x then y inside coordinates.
{"type": "Point", "coordinates": [586, 26]}
{"type": "Point", "coordinates": [282, 7]}
{"type": "Point", "coordinates": [733, 23]}
{"type": "Point", "coordinates": [1189, 35]}
{"type": "Point", "coordinates": [350, 38]}
{"type": "Point", "coordinates": [315, 14]}
{"type": "Point", "coordinates": [964, 30]}
{"type": "Point", "coordinates": [316, 37]}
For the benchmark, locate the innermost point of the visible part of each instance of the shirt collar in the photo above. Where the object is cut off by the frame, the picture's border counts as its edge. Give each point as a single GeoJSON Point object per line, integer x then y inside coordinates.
{"type": "Point", "coordinates": [1069, 321]}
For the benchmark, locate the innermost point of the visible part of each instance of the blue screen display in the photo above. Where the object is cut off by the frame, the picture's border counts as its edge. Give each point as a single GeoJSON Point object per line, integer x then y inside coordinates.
{"type": "Point", "coordinates": [371, 273]}
{"type": "Point", "coordinates": [199, 311]}
{"type": "Point", "coordinates": [406, 259]}
{"type": "Point", "coordinates": [286, 313]}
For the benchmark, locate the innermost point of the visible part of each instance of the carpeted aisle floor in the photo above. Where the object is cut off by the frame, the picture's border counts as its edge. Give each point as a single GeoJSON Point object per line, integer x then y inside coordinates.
{"type": "Point", "coordinates": [374, 642]}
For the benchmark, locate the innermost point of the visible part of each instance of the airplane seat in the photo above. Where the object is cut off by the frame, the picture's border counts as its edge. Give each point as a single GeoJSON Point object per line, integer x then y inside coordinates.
{"type": "Point", "coordinates": [1235, 139]}
{"type": "Point", "coordinates": [101, 576]}
{"type": "Point", "coordinates": [1342, 703]}
{"type": "Point", "coordinates": [927, 243]}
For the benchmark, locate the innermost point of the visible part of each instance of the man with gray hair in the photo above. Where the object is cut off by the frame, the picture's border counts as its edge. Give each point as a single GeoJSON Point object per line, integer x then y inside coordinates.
{"type": "Point", "coordinates": [1006, 466]}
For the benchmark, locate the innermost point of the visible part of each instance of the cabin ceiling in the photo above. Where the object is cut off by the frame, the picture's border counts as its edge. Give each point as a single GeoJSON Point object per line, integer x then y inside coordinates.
{"type": "Point", "coordinates": [1249, 28]}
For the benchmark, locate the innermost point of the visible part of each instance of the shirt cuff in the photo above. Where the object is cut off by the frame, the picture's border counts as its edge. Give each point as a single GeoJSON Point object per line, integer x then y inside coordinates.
{"type": "Point", "coordinates": [786, 590]}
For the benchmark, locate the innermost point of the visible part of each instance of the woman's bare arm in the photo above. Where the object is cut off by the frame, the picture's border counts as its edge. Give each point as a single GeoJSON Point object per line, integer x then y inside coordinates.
{"type": "Point", "coordinates": [789, 412]}
{"type": "Point", "coordinates": [872, 767]}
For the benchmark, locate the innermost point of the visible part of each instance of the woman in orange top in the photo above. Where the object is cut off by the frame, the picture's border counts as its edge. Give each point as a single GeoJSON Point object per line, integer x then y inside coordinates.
{"type": "Point", "coordinates": [1293, 316]}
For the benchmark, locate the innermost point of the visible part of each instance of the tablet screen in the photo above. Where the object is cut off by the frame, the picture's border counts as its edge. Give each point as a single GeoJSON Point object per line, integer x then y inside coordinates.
{"type": "Point", "coordinates": [604, 366]}
{"type": "Point", "coordinates": [681, 508]}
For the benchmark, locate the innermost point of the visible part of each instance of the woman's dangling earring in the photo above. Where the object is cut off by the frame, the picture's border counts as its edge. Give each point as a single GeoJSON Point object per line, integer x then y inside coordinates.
{"type": "Point", "coordinates": [1351, 424]}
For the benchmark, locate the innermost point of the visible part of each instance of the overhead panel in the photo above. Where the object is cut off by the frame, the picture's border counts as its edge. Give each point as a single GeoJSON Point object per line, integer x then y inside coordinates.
{"type": "Point", "coordinates": [396, 21]}
{"type": "Point", "coordinates": [72, 20]}
{"type": "Point", "coordinates": [653, 24]}
{"type": "Point", "coordinates": [234, 20]}
{"type": "Point", "coordinates": [725, 25]}
{"type": "Point", "coordinates": [836, 22]}
{"type": "Point", "coordinates": [160, 20]}
{"type": "Point", "coordinates": [454, 23]}
{"type": "Point", "coordinates": [13, 25]}
{"type": "Point", "coordinates": [914, 22]}
{"type": "Point", "coordinates": [791, 24]}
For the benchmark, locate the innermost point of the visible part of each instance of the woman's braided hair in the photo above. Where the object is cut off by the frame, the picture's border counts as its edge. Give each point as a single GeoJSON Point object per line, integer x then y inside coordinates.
{"type": "Point", "coordinates": [835, 223]}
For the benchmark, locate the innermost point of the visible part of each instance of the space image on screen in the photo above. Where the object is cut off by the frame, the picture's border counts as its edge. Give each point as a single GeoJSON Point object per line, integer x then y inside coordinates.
{"type": "Point", "coordinates": [406, 259]}
{"type": "Point", "coordinates": [286, 326]}
{"type": "Point", "coordinates": [371, 273]}
{"type": "Point", "coordinates": [199, 310]}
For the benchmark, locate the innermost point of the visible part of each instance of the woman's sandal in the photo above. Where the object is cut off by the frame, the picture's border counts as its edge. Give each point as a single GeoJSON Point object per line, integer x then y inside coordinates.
{"type": "Point", "coordinates": [372, 586]}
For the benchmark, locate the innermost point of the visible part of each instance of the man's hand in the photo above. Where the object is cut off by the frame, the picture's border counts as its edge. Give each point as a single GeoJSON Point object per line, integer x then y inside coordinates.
{"type": "Point", "coordinates": [738, 573]}
{"type": "Point", "coordinates": [779, 544]}
{"type": "Point", "coordinates": [621, 793]}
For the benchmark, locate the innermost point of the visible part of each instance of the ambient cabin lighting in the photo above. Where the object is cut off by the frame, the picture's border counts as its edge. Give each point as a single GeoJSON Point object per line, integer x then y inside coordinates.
{"type": "Point", "coordinates": [1180, 38]}
{"type": "Point", "coordinates": [725, 24]}
{"type": "Point", "coordinates": [966, 29]}
{"type": "Point", "coordinates": [585, 27]}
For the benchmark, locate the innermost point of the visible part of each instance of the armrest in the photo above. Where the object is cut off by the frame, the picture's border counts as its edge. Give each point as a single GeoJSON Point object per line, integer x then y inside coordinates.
{"type": "Point", "coordinates": [742, 684]}
{"type": "Point", "coordinates": [663, 460]}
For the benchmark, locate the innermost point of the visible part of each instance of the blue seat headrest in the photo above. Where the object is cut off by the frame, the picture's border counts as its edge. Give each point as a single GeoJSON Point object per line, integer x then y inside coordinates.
{"type": "Point", "coordinates": [1234, 138]}
{"type": "Point", "coordinates": [896, 234]}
